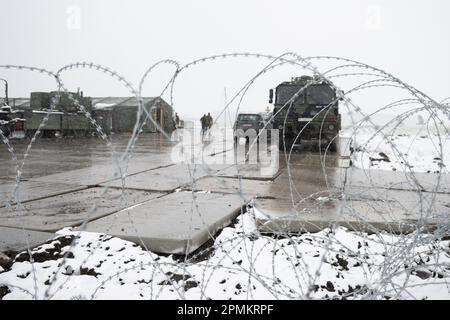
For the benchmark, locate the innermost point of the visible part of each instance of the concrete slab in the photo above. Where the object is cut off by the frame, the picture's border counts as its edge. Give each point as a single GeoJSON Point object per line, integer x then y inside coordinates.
{"type": "Point", "coordinates": [32, 190]}
{"type": "Point", "coordinates": [164, 179]}
{"type": "Point", "coordinates": [311, 158]}
{"type": "Point", "coordinates": [246, 188]}
{"type": "Point", "coordinates": [362, 210]}
{"type": "Point", "coordinates": [13, 239]}
{"type": "Point", "coordinates": [87, 176]}
{"type": "Point", "coordinates": [95, 174]}
{"type": "Point", "coordinates": [70, 209]}
{"type": "Point", "coordinates": [318, 192]}
{"type": "Point", "coordinates": [398, 180]}
{"type": "Point", "coordinates": [51, 156]}
{"type": "Point", "coordinates": [250, 171]}
{"type": "Point", "coordinates": [178, 223]}
{"type": "Point", "coordinates": [301, 181]}
{"type": "Point", "coordinates": [397, 210]}
{"type": "Point", "coordinates": [282, 216]}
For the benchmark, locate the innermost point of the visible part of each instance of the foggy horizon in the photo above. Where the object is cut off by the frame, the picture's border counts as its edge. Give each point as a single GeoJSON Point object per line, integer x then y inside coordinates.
{"type": "Point", "coordinates": [130, 37]}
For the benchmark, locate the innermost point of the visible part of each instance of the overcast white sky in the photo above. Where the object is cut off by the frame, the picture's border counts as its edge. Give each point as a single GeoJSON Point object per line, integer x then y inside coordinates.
{"type": "Point", "coordinates": [408, 38]}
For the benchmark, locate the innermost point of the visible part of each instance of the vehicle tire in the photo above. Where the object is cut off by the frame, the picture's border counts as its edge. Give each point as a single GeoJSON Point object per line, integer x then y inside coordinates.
{"type": "Point", "coordinates": [280, 140]}
{"type": "Point", "coordinates": [30, 134]}
{"type": "Point", "coordinates": [285, 143]}
{"type": "Point", "coordinates": [333, 146]}
{"type": "Point", "coordinates": [48, 134]}
{"type": "Point", "coordinates": [281, 144]}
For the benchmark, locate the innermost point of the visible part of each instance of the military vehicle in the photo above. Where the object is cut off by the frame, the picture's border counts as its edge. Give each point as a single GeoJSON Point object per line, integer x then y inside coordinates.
{"type": "Point", "coordinates": [63, 119]}
{"type": "Point", "coordinates": [254, 121]}
{"type": "Point", "coordinates": [10, 120]}
{"type": "Point", "coordinates": [246, 121]}
{"type": "Point", "coordinates": [5, 121]}
{"type": "Point", "coordinates": [306, 112]}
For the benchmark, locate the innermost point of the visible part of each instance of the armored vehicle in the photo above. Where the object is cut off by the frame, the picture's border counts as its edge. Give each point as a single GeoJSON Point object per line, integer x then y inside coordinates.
{"type": "Point", "coordinates": [65, 117]}
{"type": "Point", "coordinates": [64, 101]}
{"type": "Point", "coordinates": [306, 112]}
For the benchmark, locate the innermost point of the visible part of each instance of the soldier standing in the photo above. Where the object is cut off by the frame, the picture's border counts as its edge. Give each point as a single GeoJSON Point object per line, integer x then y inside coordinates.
{"type": "Point", "coordinates": [203, 121]}
{"type": "Point", "coordinates": [5, 121]}
{"type": "Point", "coordinates": [177, 119]}
{"type": "Point", "coordinates": [210, 120]}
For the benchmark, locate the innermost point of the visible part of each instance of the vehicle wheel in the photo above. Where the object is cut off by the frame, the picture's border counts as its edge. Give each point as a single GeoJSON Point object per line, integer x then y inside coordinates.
{"type": "Point", "coordinates": [30, 134]}
{"type": "Point", "coordinates": [49, 133]}
{"type": "Point", "coordinates": [286, 143]}
{"type": "Point", "coordinates": [333, 146]}
{"type": "Point", "coordinates": [281, 144]}
{"type": "Point", "coordinates": [280, 140]}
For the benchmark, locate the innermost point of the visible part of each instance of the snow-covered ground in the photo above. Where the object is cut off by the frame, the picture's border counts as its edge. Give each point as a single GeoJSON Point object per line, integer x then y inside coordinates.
{"type": "Point", "coordinates": [410, 150]}
{"type": "Point", "coordinates": [241, 264]}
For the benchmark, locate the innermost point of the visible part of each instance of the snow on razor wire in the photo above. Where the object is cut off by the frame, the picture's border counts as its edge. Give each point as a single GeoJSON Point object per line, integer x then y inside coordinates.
{"type": "Point", "coordinates": [335, 262]}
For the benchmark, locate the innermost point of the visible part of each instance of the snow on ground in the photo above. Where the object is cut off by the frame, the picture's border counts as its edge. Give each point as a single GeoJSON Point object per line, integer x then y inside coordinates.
{"type": "Point", "coordinates": [415, 150]}
{"type": "Point", "coordinates": [332, 264]}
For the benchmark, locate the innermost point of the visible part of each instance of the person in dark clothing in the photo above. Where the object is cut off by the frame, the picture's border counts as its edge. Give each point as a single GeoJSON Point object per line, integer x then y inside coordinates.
{"type": "Point", "coordinates": [203, 121]}
{"type": "Point", "coordinates": [209, 121]}
{"type": "Point", "coordinates": [5, 124]}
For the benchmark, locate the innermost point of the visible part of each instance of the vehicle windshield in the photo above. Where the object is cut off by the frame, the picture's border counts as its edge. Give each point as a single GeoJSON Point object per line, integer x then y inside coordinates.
{"type": "Point", "coordinates": [284, 93]}
{"type": "Point", "coordinates": [320, 94]}
{"type": "Point", "coordinates": [248, 118]}
{"type": "Point", "coordinates": [317, 94]}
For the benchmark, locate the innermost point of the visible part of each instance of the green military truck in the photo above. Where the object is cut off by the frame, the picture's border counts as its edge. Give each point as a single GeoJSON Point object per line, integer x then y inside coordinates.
{"type": "Point", "coordinates": [65, 117]}
{"type": "Point", "coordinates": [308, 117]}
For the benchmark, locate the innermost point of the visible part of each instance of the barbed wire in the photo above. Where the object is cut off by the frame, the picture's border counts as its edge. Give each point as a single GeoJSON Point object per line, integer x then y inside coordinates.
{"type": "Point", "coordinates": [402, 253]}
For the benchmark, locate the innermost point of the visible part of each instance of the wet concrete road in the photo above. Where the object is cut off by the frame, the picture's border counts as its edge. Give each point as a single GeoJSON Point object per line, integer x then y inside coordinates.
{"type": "Point", "coordinates": [57, 187]}
{"type": "Point", "coordinates": [58, 166]}
{"type": "Point", "coordinates": [314, 192]}
{"type": "Point", "coordinates": [51, 156]}
{"type": "Point", "coordinates": [64, 180]}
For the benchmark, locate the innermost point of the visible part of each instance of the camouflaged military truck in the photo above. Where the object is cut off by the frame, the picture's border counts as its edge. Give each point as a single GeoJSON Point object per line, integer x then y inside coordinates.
{"type": "Point", "coordinates": [308, 117]}
{"type": "Point", "coordinates": [65, 118]}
